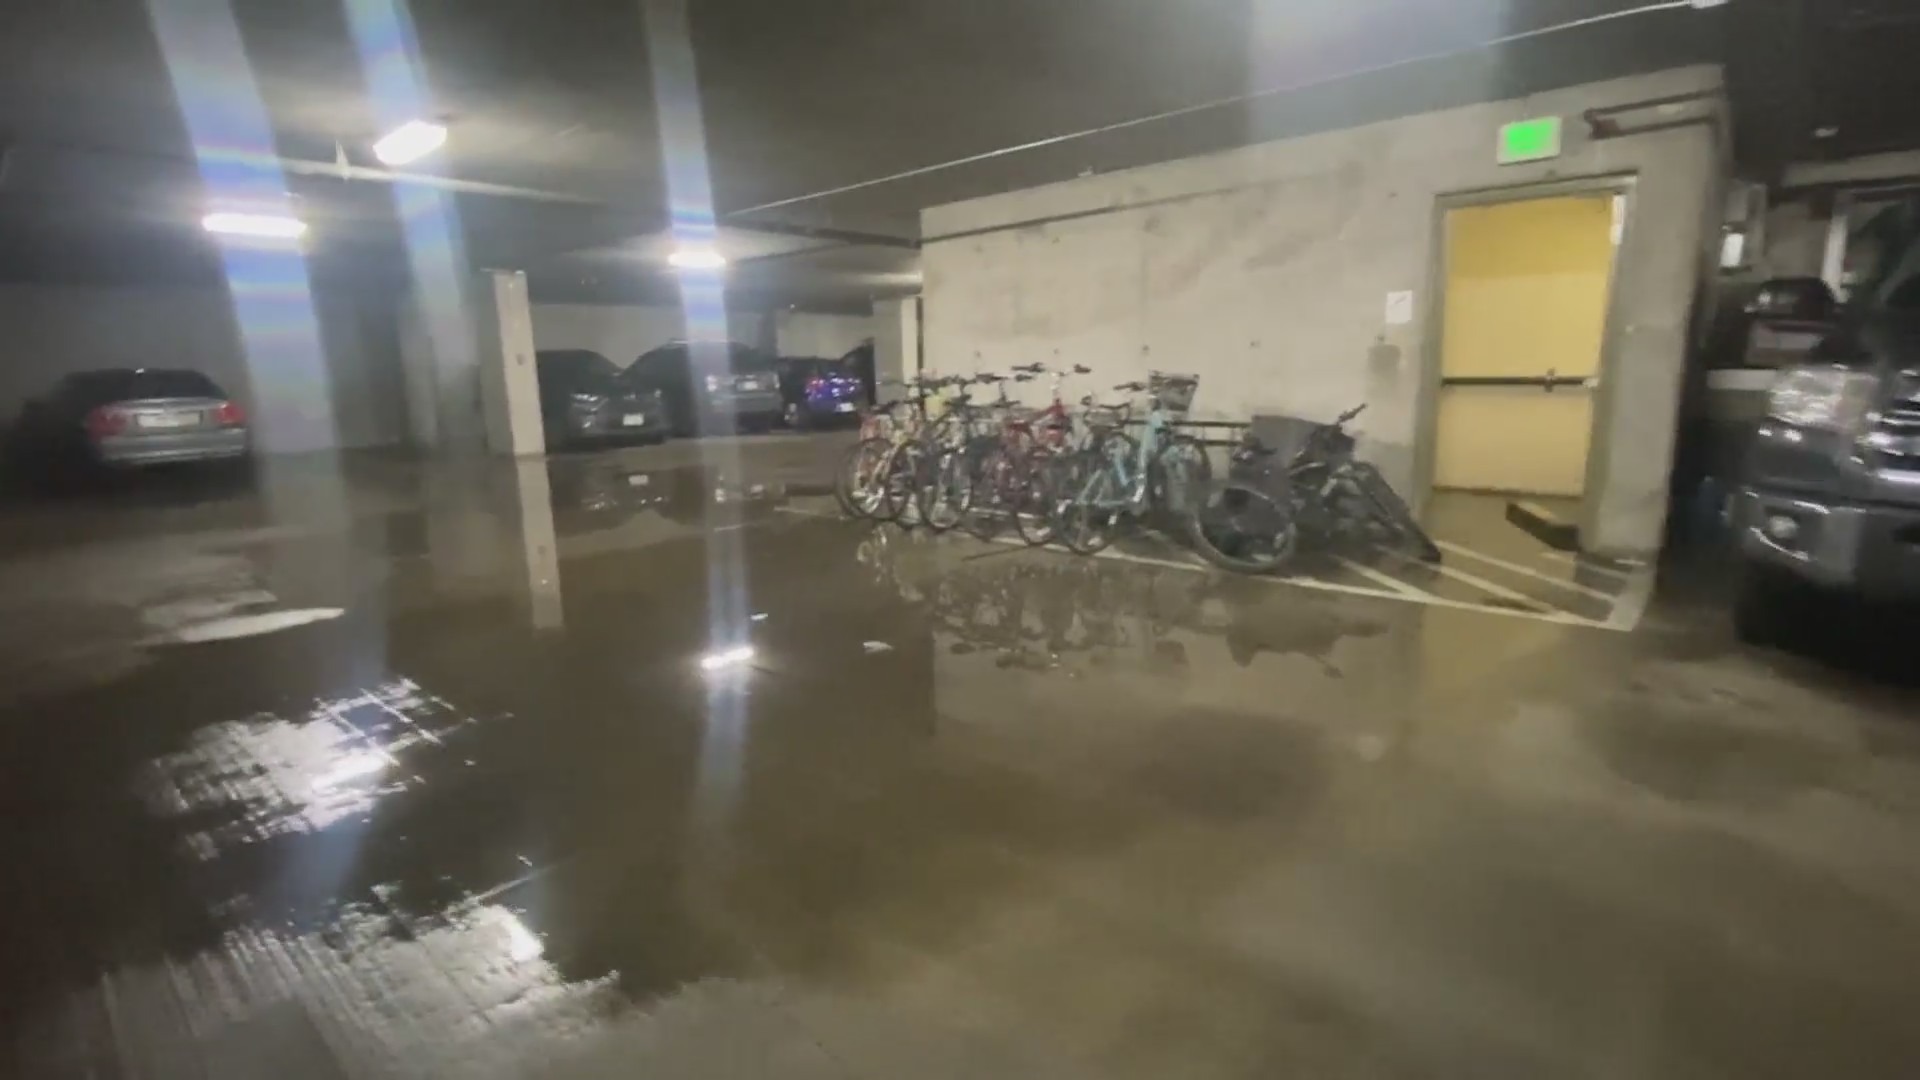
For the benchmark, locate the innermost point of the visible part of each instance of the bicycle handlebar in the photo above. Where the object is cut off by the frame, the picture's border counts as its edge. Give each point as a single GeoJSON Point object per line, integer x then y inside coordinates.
{"type": "Point", "coordinates": [1350, 414]}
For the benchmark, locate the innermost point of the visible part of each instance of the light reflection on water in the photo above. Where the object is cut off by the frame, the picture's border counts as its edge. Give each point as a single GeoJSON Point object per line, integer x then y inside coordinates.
{"type": "Point", "coordinates": [270, 775]}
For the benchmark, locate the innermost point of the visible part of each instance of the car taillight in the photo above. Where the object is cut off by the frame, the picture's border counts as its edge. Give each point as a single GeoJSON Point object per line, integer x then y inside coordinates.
{"type": "Point", "coordinates": [814, 384]}
{"type": "Point", "coordinates": [106, 420]}
{"type": "Point", "coordinates": [230, 414]}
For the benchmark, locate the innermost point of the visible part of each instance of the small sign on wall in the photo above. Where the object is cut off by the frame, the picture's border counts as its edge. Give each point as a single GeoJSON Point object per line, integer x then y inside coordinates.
{"type": "Point", "coordinates": [1399, 308]}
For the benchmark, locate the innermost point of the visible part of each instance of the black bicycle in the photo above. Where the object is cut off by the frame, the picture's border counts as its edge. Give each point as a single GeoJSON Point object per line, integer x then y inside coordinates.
{"type": "Point", "coordinates": [1256, 519]}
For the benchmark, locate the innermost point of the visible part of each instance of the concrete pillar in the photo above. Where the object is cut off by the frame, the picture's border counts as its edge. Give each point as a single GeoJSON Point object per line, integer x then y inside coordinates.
{"type": "Point", "coordinates": [896, 343]}
{"type": "Point", "coordinates": [467, 359]}
{"type": "Point", "coordinates": [539, 549]}
{"type": "Point", "coordinates": [441, 365]}
{"type": "Point", "coordinates": [509, 383]}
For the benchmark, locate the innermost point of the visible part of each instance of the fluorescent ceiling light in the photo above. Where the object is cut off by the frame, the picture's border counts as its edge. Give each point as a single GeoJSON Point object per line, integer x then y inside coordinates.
{"type": "Point", "coordinates": [696, 258]}
{"type": "Point", "coordinates": [266, 226]}
{"type": "Point", "coordinates": [410, 141]}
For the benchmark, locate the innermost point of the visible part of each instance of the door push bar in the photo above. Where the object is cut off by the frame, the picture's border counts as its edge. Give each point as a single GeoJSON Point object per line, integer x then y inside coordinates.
{"type": "Point", "coordinates": [1546, 382]}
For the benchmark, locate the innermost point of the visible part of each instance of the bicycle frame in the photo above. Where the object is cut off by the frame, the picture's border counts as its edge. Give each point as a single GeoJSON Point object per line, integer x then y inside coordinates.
{"type": "Point", "coordinates": [1130, 478]}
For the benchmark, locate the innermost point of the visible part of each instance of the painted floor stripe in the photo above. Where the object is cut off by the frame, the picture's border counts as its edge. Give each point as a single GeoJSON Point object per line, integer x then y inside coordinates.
{"type": "Point", "coordinates": [1492, 588]}
{"type": "Point", "coordinates": [809, 513]}
{"type": "Point", "coordinates": [1410, 596]}
{"type": "Point", "coordinates": [1525, 571]}
{"type": "Point", "coordinates": [1385, 580]}
{"type": "Point", "coordinates": [1574, 560]}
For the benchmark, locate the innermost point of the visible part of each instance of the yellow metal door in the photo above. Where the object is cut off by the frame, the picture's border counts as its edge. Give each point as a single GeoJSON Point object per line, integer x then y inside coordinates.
{"type": "Point", "coordinates": [1526, 308]}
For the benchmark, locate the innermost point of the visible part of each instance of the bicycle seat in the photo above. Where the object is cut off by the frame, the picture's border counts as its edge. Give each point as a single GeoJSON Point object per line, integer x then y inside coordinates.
{"type": "Point", "coordinates": [1132, 387]}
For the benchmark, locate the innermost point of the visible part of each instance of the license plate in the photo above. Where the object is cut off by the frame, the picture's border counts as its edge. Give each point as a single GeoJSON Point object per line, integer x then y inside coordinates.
{"type": "Point", "coordinates": [168, 420]}
{"type": "Point", "coordinates": [634, 420]}
{"type": "Point", "coordinates": [749, 384]}
{"type": "Point", "coordinates": [845, 406]}
{"type": "Point", "coordinates": [639, 480]}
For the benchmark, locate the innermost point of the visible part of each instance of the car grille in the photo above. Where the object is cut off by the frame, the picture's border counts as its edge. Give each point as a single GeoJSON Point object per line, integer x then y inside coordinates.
{"type": "Point", "coordinates": [1896, 434]}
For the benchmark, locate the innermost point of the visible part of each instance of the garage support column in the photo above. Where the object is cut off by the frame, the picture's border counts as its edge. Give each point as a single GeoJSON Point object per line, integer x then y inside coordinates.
{"type": "Point", "coordinates": [896, 343]}
{"type": "Point", "coordinates": [467, 355]}
{"type": "Point", "coordinates": [509, 386]}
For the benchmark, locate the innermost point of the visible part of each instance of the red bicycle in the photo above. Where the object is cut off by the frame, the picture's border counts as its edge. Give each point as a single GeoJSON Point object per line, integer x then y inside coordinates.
{"type": "Point", "coordinates": [1007, 468]}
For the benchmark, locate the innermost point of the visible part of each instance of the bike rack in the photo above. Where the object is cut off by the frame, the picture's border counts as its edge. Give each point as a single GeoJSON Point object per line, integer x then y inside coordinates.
{"type": "Point", "coordinates": [1237, 426]}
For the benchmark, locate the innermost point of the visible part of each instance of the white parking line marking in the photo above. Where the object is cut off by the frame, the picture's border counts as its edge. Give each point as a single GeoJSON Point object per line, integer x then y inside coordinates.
{"type": "Point", "coordinates": [807, 513]}
{"type": "Point", "coordinates": [1410, 595]}
{"type": "Point", "coordinates": [1490, 587]}
{"type": "Point", "coordinates": [1565, 557]}
{"type": "Point", "coordinates": [1525, 571]}
{"type": "Point", "coordinates": [1386, 580]}
{"type": "Point", "coordinates": [1632, 603]}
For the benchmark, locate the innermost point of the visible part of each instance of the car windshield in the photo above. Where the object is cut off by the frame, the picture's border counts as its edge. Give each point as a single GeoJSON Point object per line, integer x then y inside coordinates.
{"type": "Point", "coordinates": [1884, 254]}
{"type": "Point", "coordinates": [129, 384]}
{"type": "Point", "coordinates": [583, 368]}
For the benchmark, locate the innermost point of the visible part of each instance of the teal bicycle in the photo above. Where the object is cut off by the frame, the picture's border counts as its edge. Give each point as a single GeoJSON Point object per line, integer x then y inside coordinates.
{"type": "Point", "coordinates": [1114, 478]}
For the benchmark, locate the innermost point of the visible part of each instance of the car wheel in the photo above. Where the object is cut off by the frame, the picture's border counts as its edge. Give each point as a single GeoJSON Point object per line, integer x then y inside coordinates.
{"type": "Point", "coordinates": [1768, 604]}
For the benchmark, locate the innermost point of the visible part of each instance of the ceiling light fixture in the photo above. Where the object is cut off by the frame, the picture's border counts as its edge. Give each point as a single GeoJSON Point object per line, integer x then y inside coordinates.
{"type": "Point", "coordinates": [259, 226]}
{"type": "Point", "coordinates": [696, 258]}
{"type": "Point", "coordinates": [410, 141]}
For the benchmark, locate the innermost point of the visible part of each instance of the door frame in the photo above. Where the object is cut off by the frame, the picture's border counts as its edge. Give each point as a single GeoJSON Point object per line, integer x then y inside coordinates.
{"type": "Point", "coordinates": [1427, 400]}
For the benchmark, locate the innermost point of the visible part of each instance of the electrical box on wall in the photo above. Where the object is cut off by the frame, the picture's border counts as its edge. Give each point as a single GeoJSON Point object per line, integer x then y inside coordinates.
{"type": "Point", "coordinates": [1529, 140]}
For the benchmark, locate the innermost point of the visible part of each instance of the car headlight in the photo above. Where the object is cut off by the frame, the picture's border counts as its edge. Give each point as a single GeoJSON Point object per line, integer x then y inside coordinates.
{"type": "Point", "coordinates": [713, 382]}
{"type": "Point", "coordinates": [1831, 398]}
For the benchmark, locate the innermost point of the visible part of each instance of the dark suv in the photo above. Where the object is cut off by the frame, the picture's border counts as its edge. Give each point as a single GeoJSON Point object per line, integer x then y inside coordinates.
{"type": "Point", "coordinates": [711, 386]}
{"type": "Point", "coordinates": [1830, 497]}
{"type": "Point", "coordinates": [582, 400]}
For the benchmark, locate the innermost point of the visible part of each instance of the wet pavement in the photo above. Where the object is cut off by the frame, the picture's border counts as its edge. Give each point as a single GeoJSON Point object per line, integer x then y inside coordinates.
{"type": "Point", "coordinates": [645, 764]}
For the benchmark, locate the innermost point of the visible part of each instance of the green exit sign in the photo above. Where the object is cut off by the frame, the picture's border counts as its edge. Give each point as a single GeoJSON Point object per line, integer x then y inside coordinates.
{"type": "Point", "coordinates": [1530, 140]}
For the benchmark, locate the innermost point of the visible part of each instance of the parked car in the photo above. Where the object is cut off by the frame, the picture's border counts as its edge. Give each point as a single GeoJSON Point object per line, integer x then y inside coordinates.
{"type": "Point", "coordinates": [1829, 500]}
{"type": "Point", "coordinates": [815, 391]}
{"type": "Point", "coordinates": [583, 401]}
{"type": "Point", "coordinates": [859, 360]}
{"type": "Point", "coordinates": [131, 418]}
{"type": "Point", "coordinates": [716, 385]}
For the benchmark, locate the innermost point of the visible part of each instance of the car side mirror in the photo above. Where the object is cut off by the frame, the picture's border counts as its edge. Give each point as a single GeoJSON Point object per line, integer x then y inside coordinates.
{"type": "Point", "coordinates": [1802, 299]}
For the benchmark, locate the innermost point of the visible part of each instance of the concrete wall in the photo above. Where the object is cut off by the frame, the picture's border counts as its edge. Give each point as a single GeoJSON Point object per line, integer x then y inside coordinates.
{"type": "Point", "coordinates": [1266, 269]}
{"type": "Point", "coordinates": [896, 344]}
{"type": "Point", "coordinates": [622, 332]}
{"type": "Point", "coordinates": [51, 330]}
{"type": "Point", "coordinates": [806, 333]}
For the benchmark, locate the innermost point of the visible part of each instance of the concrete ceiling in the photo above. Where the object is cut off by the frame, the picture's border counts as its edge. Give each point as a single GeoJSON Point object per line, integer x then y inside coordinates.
{"type": "Point", "coordinates": [1816, 80]}
{"type": "Point", "coordinates": [565, 102]}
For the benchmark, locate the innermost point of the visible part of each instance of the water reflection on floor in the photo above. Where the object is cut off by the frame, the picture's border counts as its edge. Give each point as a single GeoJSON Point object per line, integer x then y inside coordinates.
{"type": "Point", "coordinates": [645, 764]}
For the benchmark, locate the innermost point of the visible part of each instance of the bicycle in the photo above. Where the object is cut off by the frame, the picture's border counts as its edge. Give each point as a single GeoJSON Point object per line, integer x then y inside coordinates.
{"type": "Point", "coordinates": [1116, 477]}
{"type": "Point", "coordinates": [1004, 481]}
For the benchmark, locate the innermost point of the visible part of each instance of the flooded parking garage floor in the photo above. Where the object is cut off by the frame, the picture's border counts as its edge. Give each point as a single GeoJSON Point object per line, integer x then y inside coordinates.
{"type": "Point", "coordinates": [647, 765]}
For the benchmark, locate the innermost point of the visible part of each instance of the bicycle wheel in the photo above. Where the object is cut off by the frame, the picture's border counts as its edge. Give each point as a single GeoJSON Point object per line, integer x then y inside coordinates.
{"type": "Point", "coordinates": [990, 493]}
{"type": "Point", "coordinates": [1239, 527]}
{"type": "Point", "coordinates": [1392, 513]}
{"type": "Point", "coordinates": [1180, 476]}
{"type": "Point", "coordinates": [898, 486]}
{"type": "Point", "coordinates": [1038, 481]}
{"type": "Point", "coordinates": [943, 497]}
{"type": "Point", "coordinates": [1088, 514]}
{"type": "Point", "coordinates": [856, 484]}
